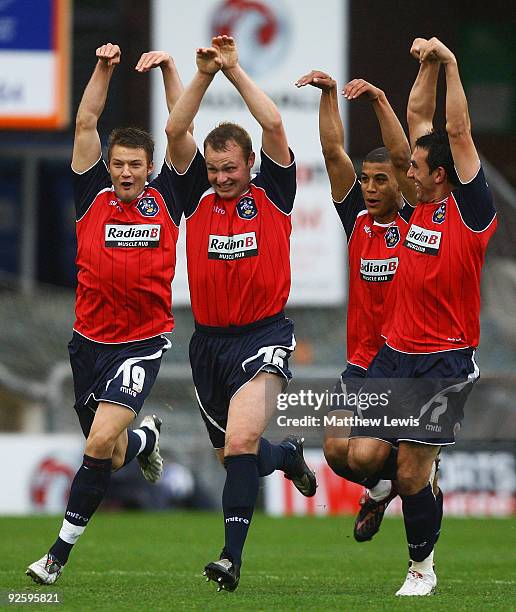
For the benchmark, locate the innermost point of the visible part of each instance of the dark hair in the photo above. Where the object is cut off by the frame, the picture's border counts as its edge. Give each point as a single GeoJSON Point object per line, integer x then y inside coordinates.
{"type": "Point", "coordinates": [378, 156]}
{"type": "Point", "coordinates": [133, 138]}
{"type": "Point", "coordinates": [218, 138]}
{"type": "Point", "coordinates": [437, 145]}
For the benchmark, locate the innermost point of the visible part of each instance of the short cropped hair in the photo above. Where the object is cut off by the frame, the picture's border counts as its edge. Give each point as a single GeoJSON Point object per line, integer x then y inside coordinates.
{"type": "Point", "coordinates": [133, 138]}
{"type": "Point", "coordinates": [218, 138]}
{"type": "Point", "coordinates": [439, 152]}
{"type": "Point", "coordinates": [378, 156]}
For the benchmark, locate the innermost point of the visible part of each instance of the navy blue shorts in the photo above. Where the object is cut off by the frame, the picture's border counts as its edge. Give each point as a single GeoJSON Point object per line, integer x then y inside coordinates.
{"type": "Point", "coordinates": [349, 384]}
{"type": "Point", "coordinates": [350, 381]}
{"type": "Point", "coordinates": [223, 360]}
{"type": "Point", "coordinates": [121, 374]}
{"type": "Point", "coordinates": [417, 397]}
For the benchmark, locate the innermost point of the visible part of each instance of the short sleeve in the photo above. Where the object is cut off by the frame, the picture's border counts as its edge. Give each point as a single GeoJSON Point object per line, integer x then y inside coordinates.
{"type": "Point", "coordinates": [86, 185]}
{"type": "Point", "coordinates": [278, 181]}
{"type": "Point", "coordinates": [164, 184]}
{"type": "Point", "coordinates": [406, 211]}
{"type": "Point", "coordinates": [188, 187]}
{"type": "Point", "coordinates": [475, 202]}
{"type": "Point", "coordinates": [349, 207]}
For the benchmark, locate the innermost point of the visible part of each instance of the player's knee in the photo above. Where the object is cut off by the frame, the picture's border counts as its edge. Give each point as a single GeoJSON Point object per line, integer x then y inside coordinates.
{"type": "Point", "coordinates": [364, 460]}
{"type": "Point", "coordinates": [411, 478]}
{"type": "Point", "coordinates": [241, 443]}
{"type": "Point", "coordinates": [336, 452]}
{"type": "Point", "coordinates": [100, 444]}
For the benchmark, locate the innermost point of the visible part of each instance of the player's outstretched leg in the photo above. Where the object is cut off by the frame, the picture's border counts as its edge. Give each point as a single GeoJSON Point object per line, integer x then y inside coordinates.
{"type": "Point", "coordinates": [421, 515]}
{"type": "Point", "coordinates": [88, 487]}
{"type": "Point", "coordinates": [421, 578]}
{"type": "Point", "coordinates": [238, 502]}
{"type": "Point", "coordinates": [150, 460]}
{"type": "Point", "coordinates": [86, 493]}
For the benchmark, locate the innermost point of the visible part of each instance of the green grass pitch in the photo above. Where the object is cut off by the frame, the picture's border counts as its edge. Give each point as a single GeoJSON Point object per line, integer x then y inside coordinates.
{"type": "Point", "coordinates": [154, 561]}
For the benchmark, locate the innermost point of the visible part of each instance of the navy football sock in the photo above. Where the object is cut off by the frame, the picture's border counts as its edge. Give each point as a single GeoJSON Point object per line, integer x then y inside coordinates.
{"type": "Point", "coordinates": [439, 503]}
{"type": "Point", "coordinates": [87, 491]}
{"type": "Point", "coordinates": [420, 515]}
{"type": "Point", "coordinates": [390, 467]}
{"type": "Point", "coordinates": [346, 472]}
{"type": "Point", "coordinates": [151, 440]}
{"type": "Point", "coordinates": [271, 457]}
{"type": "Point", "coordinates": [134, 443]}
{"type": "Point", "coordinates": [238, 502]}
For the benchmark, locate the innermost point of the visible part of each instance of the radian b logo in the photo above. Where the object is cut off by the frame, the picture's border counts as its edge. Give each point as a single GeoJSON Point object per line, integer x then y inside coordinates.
{"type": "Point", "coordinates": [127, 236]}
{"type": "Point", "coordinates": [378, 270]}
{"type": "Point", "coordinates": [423, 240]}
{"type": "Point", "coordinates": [238, 246]}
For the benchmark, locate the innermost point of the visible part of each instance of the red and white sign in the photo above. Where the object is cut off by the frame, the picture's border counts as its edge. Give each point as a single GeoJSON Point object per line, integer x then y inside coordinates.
{"type": "Point", "coordinates": [42, 468]}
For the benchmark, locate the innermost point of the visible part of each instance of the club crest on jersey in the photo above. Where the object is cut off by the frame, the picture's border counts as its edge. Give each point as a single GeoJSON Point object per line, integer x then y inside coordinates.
{"type": "Point", "coordinates": [440, 214]}
{"type": "Point", "coordinates": [246, 208]}
{"type": "Point", "coordinates": [392, 236]}
{"type": "Point", "coordinates": [148, 206]}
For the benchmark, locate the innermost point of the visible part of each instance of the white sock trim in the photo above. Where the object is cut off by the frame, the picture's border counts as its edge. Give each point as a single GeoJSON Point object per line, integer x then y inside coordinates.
{"type": "Point", "coordinates": [143, 437]}
{"type": "Point", "coordinates": [70, 533]}
{"type": "Point", "coordinates": [380, 490]}
{"type": "Point", "coordinates": [425, 566]}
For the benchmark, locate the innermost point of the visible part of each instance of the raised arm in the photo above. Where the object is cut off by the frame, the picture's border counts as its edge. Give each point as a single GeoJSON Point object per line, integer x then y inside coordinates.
{"type": "Point", "coordinates": [458, 124]}
{"type": "Point", "coordinates": [263, 109]}
{"type": "Point", "coordinates": [393, 135]}
{"type": "Point", "coordinates": [86, 146]}
{"type": "Point", "coordinates": [171, 80]}
{"type": "Point", "coordinates": [421, 103]}
{"type": "Point", "coordinates": [181, 144]}
{"type": "Point", "coordinates": [331, 133]}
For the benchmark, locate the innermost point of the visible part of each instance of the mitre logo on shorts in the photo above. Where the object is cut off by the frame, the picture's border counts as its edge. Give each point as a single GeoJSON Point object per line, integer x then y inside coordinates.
{"type": "Point", "coordinates": [392, 236]}
{"type": "Point", "coordinates": [423, 240]}
{"type": "Point", "coordinates": [238, 246]}
{"type": "Point", "coordinates": [378, 270]}
{"type": "Point", "coordinates": [246, 208]}
{"type": "Point", "coordinates": [127, 236]}
{"type": "Point", "coordinates": [148, 206]}
{"type": "Point", "coordinates": [440, 214]}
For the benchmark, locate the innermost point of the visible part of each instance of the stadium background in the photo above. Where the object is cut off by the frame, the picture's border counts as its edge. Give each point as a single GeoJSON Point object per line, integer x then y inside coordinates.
{"type": "Point", "coordinates": [37, 273]}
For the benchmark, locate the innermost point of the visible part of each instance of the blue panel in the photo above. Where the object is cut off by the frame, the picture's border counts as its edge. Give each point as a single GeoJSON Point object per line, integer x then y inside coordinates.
{"type": "Point", "coordinates": [56, 225]}
{"type": "Point", "coordinates": [10, 213]}
{"type": "Point", "coordinates": [26, 25]}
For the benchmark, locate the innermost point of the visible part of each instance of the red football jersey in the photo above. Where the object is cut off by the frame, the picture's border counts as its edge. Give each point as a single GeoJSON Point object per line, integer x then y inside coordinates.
{"type": "Point", "coordinates": [126, 256]}
{"type": "Point", "coordinates": [438, 278]}
{"type": "Point", "coordinates": [238, 251]}
{"type": "Point", "coordinates": [373, 255]}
